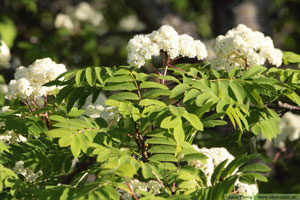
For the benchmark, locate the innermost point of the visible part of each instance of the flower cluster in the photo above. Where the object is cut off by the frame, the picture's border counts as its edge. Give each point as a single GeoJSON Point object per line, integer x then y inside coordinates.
{"type": "Point", "coordinates": [4, 54]}
{"type": "Point", "coordinates": [214, 157]}
{"type": "Point", "coordinates": [83, 12]}
{"type": "Point", "coordinates": [131, 23]}
{"type": "Point", "coordinates": [150, 186]}
{"type": "Point", "coordinates": [289, 129]}
{"type": "Point", "coordinates": [142, 47]}
{"type": "Point", "coordinates": [27, 172]}
{"type": "Point", "coordinates": [242, 47]}
{"type": "Point", "coordinates": [99, 109]}
{"type": "Point", "coordinates": [243, 188]}
{"type": "Point", "coordinates": [28, 82]}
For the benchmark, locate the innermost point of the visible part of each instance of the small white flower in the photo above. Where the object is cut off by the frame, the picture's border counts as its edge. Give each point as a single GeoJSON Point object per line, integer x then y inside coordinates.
{"type": "Point", "coordinates": [94, 111]}
{"type": "Point", "coordinates": [167, 39]}
{"type": "Point", "coordinates": [289, 129]}
{"type": "Point", "coordinates": [243, 188]}
{"type": "Point", "coordinates": [152, 186]}
{"type": "Point", "coordinates": [20, 88]}
{"type": "Point", "coordinates": [4, 54]}
{"type": "Point", "coordinates": [64, 21]}
{"type": "Point", "coordinates": [131, 23]}
{"type": "Point", "coordinates": [21, 72]}
{"type": "Point", "coordinates": [85, 12]}
{"type": "Point", "coordinates": [28, 173]}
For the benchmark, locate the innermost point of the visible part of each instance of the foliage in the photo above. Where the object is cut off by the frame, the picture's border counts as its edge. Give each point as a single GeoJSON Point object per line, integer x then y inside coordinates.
{"type": "Point", "coordinates": [55, 150]}
{"type": "Point", "coordinates": [153, 137]}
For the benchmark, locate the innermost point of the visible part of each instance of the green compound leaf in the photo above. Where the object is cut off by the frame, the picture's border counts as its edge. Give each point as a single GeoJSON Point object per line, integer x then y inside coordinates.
{"type": "Point", "coordinates": [149, 84]}
{"type": "Point", "coordinates": [124, 96]}
{"type": "Point", "coordinates": [255, 167]}
{"type": "Point", "coordinates": [253, 71]}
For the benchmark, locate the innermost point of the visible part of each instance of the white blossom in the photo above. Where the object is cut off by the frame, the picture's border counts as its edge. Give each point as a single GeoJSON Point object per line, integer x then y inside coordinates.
{"type": "Point", "coordinates": [143, 47]}
{"type": "Point", "coordinates": [242, 47]}
{"type": "Point", "coordinates": [151, 186]}
{"type": "Point", "coordinates": [189, 44]}
{"type": "Point", "coordinates": [289, 129]}
{"type": "Point", "coordinates": [28, 81]}
{"type": "Point", "coordinates": [64, 21]}
{"type": "Point", "coordinates": [100, 109]}
{"type": "Point", "coordinates": [85, 12]}
{"type": "Point", "coordinates": [94, 111]}
{"type": "Point", "coordinates": [4, 54]}
{"type": "Point", "coordinates": [167, 39]}
{"type": "Point", "coordinates": [131, 23]}
{"type": "Point", "coordinates": [21, 72]}
{"type": "Point", "coordinates": [20, 88]}
{"type": "Point", "coordinates": [214, 157]}
{"type": "Point", "coordinates": [243, 188]}
{"type": "Point", "coordinates": [27, 172]}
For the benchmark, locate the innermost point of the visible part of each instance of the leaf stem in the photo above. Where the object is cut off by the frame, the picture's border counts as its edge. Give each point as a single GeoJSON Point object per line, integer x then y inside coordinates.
{"type": "Point", "coordinates": [137, 86]}
{"type": "Point", "coordinates": [83, 176]}
{"type": "Point", "coordinates": [46, 113]}
{"type": "Point", "coordinates": [160, 182]}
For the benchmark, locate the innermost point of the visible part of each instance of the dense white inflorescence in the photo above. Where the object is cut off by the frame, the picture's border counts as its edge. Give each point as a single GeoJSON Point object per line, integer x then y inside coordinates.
{"type": "Point", "coordinates": [142, 47]}
{"type": "Point", "coordinates": [242, 47]}
{"type": "Point", "coordinates": [64, 21]}
{"type": "Point", "coordinates": [214, 157]}
{"type": "Point", "coordinates": [289, 129]}
{"type": "Point", "coordinates": [27, 172]}
{"type": "Point", "coordinates": [28, 82]}
{"type": "Point", "coordinates": [4, 54]}
{"type": "Point", "coordinates": [83, 12]}
{"type": "Point", "coordinates": [150, 186]}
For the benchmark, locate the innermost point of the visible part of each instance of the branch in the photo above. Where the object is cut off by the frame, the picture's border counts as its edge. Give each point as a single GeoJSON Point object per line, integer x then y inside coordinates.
{"type": "Point", "coordinates": [131, 192]}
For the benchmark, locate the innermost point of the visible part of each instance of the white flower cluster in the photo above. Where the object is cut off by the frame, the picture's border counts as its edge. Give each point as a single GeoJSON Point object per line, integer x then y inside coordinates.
{"type": "Point", "coordinates": [11, 137]}
{"type": "Point", "coordinates": [142, 47]}
{"type": "Point", "coordinates": [215, 157]}
{"type": "Point", "coordinates": [4, 54]}
{"type": "Point", "coordinates": [99, 109]}
{"type": "Point", "coordinates": [28, 173]}
{"type": "Point", "coordinates": [83, 12]}
{"type": "Point", "coordinates": [131, 23]}
{"type": "Point", "coordinates": [28, 82]}
{"type": "Point", "coordinates": [150, 186]}
{"type": "Point", "coordinates": [289, 129]}
{"type": "Point", "coordinates": [242, 47]}
{"type": "Point", "coordinates": [243, 188]}
{"type": "Point", "coordinates": [64, 21]}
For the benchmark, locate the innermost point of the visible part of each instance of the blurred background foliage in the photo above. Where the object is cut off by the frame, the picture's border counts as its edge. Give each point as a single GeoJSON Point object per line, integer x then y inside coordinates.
{"type": "Point", "coordinates": [30, 29]}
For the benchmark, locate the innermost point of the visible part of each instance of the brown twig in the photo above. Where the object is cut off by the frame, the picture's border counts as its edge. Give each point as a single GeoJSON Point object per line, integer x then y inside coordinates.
{"type": "Point", "coordinates": [131, 192]}
{"type": "Point", "coordinates": [288, 106]}
{"type": "Point", "coordinates": [27, 104]}
{"type": "Point", "coordinates": [160, 182]}
{"type": "Point", "coordinates": [155, 69]}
